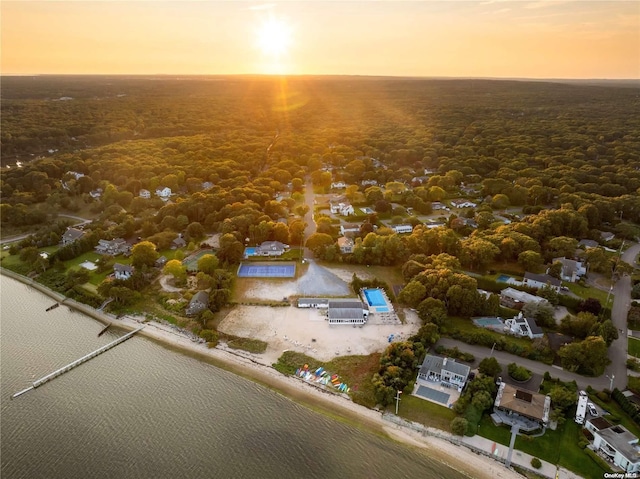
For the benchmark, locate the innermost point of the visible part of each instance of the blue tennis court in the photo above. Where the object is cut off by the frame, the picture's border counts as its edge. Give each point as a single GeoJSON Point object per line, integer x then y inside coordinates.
{"type": "Point", "coordinates": [270, 270]}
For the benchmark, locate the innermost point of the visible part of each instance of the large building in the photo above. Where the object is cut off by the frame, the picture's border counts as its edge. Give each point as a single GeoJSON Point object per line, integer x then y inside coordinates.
{"type": "Point", "coordinates": [516, 299]}
{"type": "Point", "coordinates": [619, 446]}
{"type": "Point", "coordinates": [347, 311]}
{"type": "Point", "coordinates": [541, 280]}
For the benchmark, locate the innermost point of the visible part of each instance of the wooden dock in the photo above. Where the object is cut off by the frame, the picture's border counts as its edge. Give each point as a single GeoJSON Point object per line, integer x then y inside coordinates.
{"type": "Point", "coordinates": [77, 362]}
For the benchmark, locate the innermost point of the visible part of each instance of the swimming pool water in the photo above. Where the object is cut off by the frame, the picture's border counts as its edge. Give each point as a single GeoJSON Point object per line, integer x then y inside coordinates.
{"type": "Point", "coordinates": [382, 309]}
{"type": "Point", "coordinates": [249, 251]}
{"type": "Point", "coordinates": [374, 297]}
{"type": "Point", "coordinates": [503, 278]}
{"type": "Point", "coordinates": [488, 322]}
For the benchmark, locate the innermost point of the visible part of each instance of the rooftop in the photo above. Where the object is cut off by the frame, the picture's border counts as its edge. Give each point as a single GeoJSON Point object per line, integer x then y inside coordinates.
{"type": "Point", "coordinates": [436, 363]}
{"type": "Point", "coordinates": [521, 401]}
{"type": "Point", "coordinates": [622, 440]}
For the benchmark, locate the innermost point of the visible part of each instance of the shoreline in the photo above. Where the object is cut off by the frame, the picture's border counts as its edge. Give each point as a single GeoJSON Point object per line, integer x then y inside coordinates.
{"type": "Point", "coordinates": [337, 407]}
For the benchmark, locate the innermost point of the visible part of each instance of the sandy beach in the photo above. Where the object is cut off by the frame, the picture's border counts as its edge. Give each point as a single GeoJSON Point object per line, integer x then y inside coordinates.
{"type": "Point", "coordinates": [257, 368]}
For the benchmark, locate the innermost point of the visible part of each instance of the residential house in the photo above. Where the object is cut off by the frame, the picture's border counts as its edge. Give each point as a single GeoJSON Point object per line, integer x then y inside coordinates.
{"type": "Point", "coordinates": [445, 371]}
{"type": "Point", "coordinates": [402, 229]}
{"type": "Point", "coordinates": [520, 402]}
{"type": "Point", "coordinates": [164, 192]}
{"type": "Point", "coordinates": [198, 303]}
{"type": "Point", "coordinates": [516, 299]}
{"type": "Point", "coordinates": [346, 245]}
{"type": "Point", "coordinates": [206, 185]}
{"type": "Point", "coordinates": [179, 242]}
{"type": "Point", "coordinates": [435, 224]}
{"type": "Point", "coordinates": [595, 424]}
{"type": "Point", "coordinates": [347, 311]}
{"type": "Point", "coordinates": [436, 205]}
{"type": "Point", "coordinates": [462, 204]}
{"type": "Point", "coordinates": [338, 185]}
{"type": "Point", "coordinates": [113, 247]}
{"type": "Point", "coordinates": [606, 235]}
{"type": "Point", "coordinates": [521, 326]}
{"type": "Point", "coordinates": [369, 183]}
{"type": "Point", "coordinates": [145, 194]}
{"type": "Point", "coordinates": [271, 248]}
{"type": "Point", "coordinates": [541, 280]}
{"type": "Point", "coordinates": [122, 271]}
{"type": "Point", "coordinates": [160, 262]}
{"type": "Point", "coordinates": [572, 270]}
{"type": "Point", "coordinates": [75, 174]}
{"type": "Point", "coordinates": [71, 235]}
{"type": "Point", "coordinates": [587, 243]}
{"type": "Point", "coordinates": [619, 446]}
{"type": "Point", "coordinates": [341, 206]}
{"type": "Point", "coordinates": [95, 194]}
{"type": "Point", "coordinates": [349, 228]}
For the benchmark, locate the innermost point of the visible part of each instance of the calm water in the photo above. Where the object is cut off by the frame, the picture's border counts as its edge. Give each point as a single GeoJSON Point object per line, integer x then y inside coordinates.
{"type": "Point", "coordinates": [141, 410]}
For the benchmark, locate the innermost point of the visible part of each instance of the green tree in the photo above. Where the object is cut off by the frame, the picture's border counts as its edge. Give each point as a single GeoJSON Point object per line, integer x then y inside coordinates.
{"type": "Point", "coordinates": [175, 268]}
{"type": "Point", "coordinates": [208, 264]}
{"type": "Point", "coordinates": [490, 367]}
{"type": "Point", "coordinates": [459, 426]}
{"type": "Point", "coordinates": [530, 260]}
{"type": "Point", "coordinates": [144, 254]}
{"type": "Point", "coordinates": [318, 243]}
{"type": "Point", "coordinates": [587, 357]}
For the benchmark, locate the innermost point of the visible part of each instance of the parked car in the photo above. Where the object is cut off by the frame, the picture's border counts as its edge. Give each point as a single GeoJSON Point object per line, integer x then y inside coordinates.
{"type": "Point", "coordinates": [592, 409]}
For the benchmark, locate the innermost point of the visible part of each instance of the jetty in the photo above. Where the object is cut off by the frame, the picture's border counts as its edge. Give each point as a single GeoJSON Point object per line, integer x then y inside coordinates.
{"type": "Point", "coordinates": [104, 330]}
{"type": "Point", "coordinates": [53, 306]}
{"type": "Point", "coordinates": [77, 362]}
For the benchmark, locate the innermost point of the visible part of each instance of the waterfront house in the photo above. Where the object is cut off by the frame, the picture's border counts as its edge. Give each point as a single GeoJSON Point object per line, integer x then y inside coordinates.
{"type": "Point", "coordinates": [445, 371]}
{"type": "Point", "coordinates": [71, 235]}
{"type": "Point", "coordinates": [521, 326]}
{"type": "Point", "coordinates": [514, 401]}
{"type": "Point", "coordinates": [619, 446]}
{"type": "Point", "coordinates": [533, 280]}
{"type": "Point", "coordinates": [122, 271]}
{"type": "Point", "coordinates": [198, 303]}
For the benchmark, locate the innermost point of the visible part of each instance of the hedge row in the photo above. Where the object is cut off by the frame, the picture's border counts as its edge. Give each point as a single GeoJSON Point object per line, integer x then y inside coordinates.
{"type": "Point", "coordinates": [627, 406]}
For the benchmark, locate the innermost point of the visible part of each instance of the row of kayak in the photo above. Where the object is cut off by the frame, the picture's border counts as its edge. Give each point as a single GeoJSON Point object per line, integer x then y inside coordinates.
{"type": "Point", "coordinates": [321, 376]}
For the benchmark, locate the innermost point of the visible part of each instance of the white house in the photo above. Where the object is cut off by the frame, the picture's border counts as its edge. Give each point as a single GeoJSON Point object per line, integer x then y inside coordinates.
{"type": "Point", "coordinates": [462, 204]}
{"type": "Point", "coordinates": [572, 270]}
{"type": "Point", "coordinates": [445, 371]}
{"type": "Point", "coordinates": [164, 192]}
{"type": "Point", "coordinates": [318, 303]}
{"type": "Point", "coordinates": [619, 445]}
{"type": "Point", "coordinates": [346, 245]}
{"type": "Point", "coordinates": [349, 228]}
{"type": "Point", "coordinates": [402, 228]}
{"type": "Point", "coordinates": [436, 205]}
{"type": "Point", "coordinates": [95, 194]}
{"type": "Point", "coordinates": [541, 280]}
{"type": "Point", "coordinates": [339, 185]}
{"type": "Point", "coordinates": [341, 206]}
{"type": "Point", "coordinates": [145, 194]}
{"type": "Point", "coordinates": [369, 183]}
{"type": "Point", "coordinates": [122, 271]}
{"type": "Point", "coordinates": [75, 174]}
{"type": "Point", "coordinates": [521, 326]}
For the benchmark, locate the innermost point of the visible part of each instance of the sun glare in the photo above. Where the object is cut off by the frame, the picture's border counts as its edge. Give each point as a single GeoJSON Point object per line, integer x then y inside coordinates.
{"type": "Point", "coordinates": [274, 37]}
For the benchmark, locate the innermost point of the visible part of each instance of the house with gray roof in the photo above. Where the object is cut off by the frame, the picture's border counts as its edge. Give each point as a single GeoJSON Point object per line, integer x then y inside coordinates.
{"type": "Point", "coordinates": [521, 326]}
{"type": "Point", "coordinates": [113, 247]}
{"type": "Point", "coordinates": [445, 371]}
{"type": "Point", "coordinates": [619, 446]}
{"type": "Point", "coordinates": [587, 243]}
{"type": "Point", "coordinates": [271, 248]}
{"type": "Point", "coordinates": [198, 303]}
{"type": "Point", "coordinates": [572, 270]}
{"type": "Point", "coordinates": [541, 280]}
{"type": "Point", "coordinates": [516, 299]}
{"type": "Point", "coordinates": [347, 311]}
{"type": "Point", "coordinates": [122, 271]}
{"type": "Point", "coordinates": [71, 235]}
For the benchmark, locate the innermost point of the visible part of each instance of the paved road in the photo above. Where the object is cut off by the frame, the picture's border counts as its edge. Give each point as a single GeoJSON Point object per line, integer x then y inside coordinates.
{"type": "Point", "coordinates": [309, 199]}
{"type": "Point", "coordinates": [13, 239]}
{"type": "Point", "coordinates": [481, 352]}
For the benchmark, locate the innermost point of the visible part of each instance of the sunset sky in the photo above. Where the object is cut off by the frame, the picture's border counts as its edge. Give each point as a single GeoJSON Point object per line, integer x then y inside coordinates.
{"type": "Point", "coordinates": [492, 38]}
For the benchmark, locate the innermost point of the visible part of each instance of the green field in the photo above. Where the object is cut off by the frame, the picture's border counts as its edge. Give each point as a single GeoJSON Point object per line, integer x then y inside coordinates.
{"type": "Point", "coordinates": [634, 347]}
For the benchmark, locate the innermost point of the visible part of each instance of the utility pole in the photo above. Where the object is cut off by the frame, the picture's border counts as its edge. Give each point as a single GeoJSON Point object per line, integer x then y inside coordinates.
{"type": "Point", "coordinates": [613, 376]}
{"type": "Point", "coordinates": [494, 345]}
{"type": "Point", "coordinates": [397, 400]}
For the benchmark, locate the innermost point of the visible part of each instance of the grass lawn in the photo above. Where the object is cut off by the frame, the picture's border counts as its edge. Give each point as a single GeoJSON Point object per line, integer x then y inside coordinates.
{"type": "Point", "coordinates": [391, 275]}
{"type": "Point", "coordinates": [424, 412]}
{"type": "Point", "coordinates": [557, 447]}
{"type": "Point", "coordinates": [587, 292]}
{"type": "Point", "coordinates": [634, 346]}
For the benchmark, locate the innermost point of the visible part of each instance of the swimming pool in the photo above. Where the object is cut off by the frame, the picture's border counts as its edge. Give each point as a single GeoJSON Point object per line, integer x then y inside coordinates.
{"type": "Point", "coordinates": [488, 322]}
{"type": "Point", "coordinates": [504, 278]}
{"type": "Point", "coordinates": [249, 251]}
{"type": "Point", "coordinates": [375, 297]}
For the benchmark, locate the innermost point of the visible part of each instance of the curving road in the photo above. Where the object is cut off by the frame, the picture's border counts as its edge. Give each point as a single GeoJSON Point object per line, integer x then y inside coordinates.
{"type": "Point", "coordinates": [13, 239]}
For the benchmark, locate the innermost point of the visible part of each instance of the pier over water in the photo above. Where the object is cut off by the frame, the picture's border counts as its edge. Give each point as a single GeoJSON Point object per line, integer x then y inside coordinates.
{"type": "Point", "coordinates": [77, 362]}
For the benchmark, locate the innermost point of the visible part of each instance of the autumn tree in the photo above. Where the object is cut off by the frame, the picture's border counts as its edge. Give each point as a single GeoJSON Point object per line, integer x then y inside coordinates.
{"type": "Point", "coordinates": [143, 254]}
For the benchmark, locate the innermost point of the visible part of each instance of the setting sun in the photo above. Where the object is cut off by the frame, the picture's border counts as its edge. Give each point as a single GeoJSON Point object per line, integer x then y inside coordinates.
{"type": "Point", "coordinates": [274, 37]}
